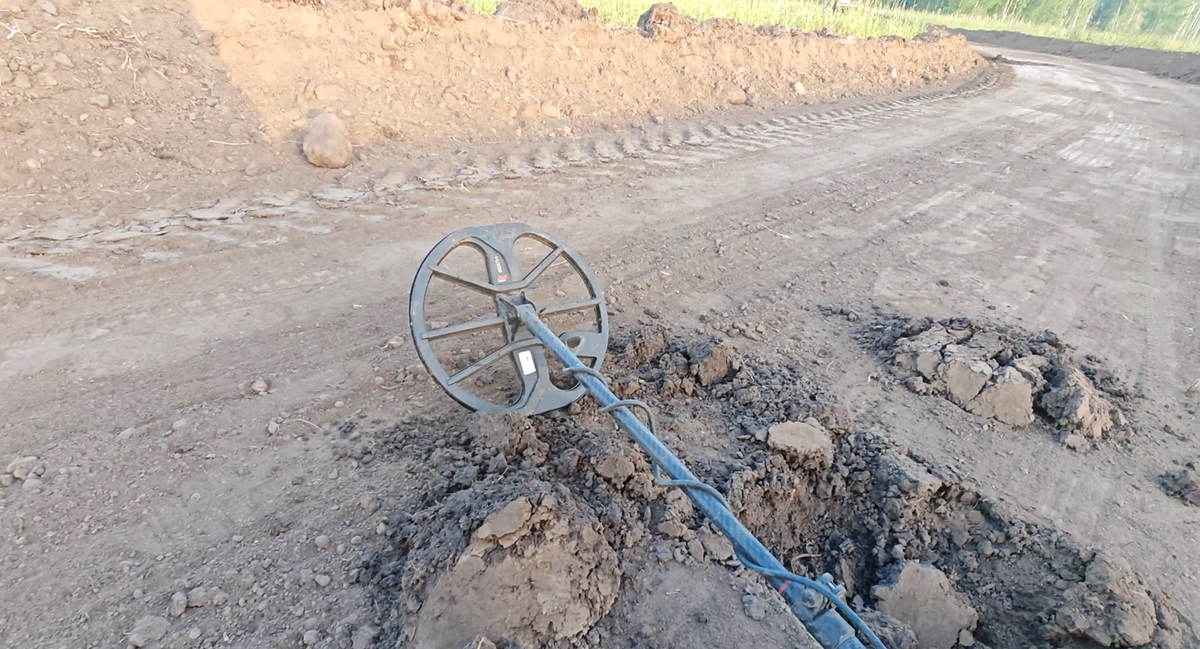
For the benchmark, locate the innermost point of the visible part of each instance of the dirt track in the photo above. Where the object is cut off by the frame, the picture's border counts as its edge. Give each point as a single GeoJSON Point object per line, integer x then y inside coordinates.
{"type": "Point", "coordinates": [1181, 66]}
{"type": "Point", "coordinates": [1060, 195]}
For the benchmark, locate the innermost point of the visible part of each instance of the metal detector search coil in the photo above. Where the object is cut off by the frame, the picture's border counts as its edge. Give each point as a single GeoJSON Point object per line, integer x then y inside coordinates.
{"type": "Point", "coordinates": [529, 351]}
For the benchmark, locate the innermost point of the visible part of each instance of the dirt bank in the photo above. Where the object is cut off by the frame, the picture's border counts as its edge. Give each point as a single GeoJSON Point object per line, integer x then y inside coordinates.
{"type": "Point", "coordinates": [96, 97]}
{"type": "Point", "coordinates": [1181, 66]}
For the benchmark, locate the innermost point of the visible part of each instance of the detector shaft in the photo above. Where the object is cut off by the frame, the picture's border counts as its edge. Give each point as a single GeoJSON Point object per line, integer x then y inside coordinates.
{"type": "Point", "coordinates": [824, 623]}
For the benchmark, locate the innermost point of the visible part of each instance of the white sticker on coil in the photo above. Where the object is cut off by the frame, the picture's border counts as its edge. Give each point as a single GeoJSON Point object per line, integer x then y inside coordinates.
{"type": "Point", "coordinates": [526, 358]}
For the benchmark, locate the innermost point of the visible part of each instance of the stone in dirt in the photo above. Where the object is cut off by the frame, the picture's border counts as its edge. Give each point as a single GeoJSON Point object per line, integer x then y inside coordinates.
{"type": "Point", "coordinates": [364, 637]}
{"type": "Point", "coordinates": [545, 11]}
{"type": "Point", "coordinates": [1111, 607]}
{"type": "Point", "coordinates": [754, 606]}
{"type": "Point", "coordinates": [179, 604]}
{"type": "Point", "coordinates": [712, 360]}
{"type": "Point", "coordinates": [663, 22]}
{"type": "Point", "coordinates": [892, 632]}
{"type": "Point", "coordinates": [480, 642]}
{"type": "Point", "coordinates": [1008, 399]}
{"type": "Point", "coordinates": [1183, 484]}
{"type": "Point", "coordinates": [26, 468]}
{"type": "Point", "coordinates": [922, 353]}
{"type": "Point", "coordinates": [716, 545]}
{"type": "Point", "coordinates": [648, 344]}
{"type": "Point", "coordinates": [617, 468]}
{"type": "Point", "coordinates": [510, 433]}
{"type": "Point", "coordinates": [1031, 368]}
{"type": "Point", "coordinates": [921, 597]}
{"type": "Point", "coordinates": [198, 597]}
{"type": "Point", "coordinates": [327, 143]}
{"type": "Point", "coordinates": [1074, 403]}
{"type": "Point", "coordinates": [806, 441]}
{"type": "Point", "coordinates": [1076, 442]}
{"type": "Point", "coordinates": [964, 375]}
{"type": "Point", "coordinates": [551, 586]}
{"type": "Point", "coordinates": [147, 630]}
{"type": "Point", "coordinates": [507, 525]}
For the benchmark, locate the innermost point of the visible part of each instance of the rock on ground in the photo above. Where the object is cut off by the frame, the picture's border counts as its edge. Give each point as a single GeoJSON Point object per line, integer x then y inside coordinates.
{"type": "Point", "coordinates": [1008, 399]}
{"type": "Point", "coordinates": [1073, 402]}
{"type": "Point", "coordinates": [508, 525]}
{"type": "Point", "coordinates": [663, 22]}
{"type": "Point", "coordinates": [964, 377]}
{"type": "Point", "coordinates": [1184, 484]}
{"type": "Point", "coordinates": [892, 632]}
{"type": "Point", "coordinates": [921, 597]}
{"type": "Point", "coordinates": [712, 360]}
{"type": "Point", "coordinates": [555, 578]}
{"type": "Point", "coordinates": [806, 441]}
{"type": "Point", "coordinates": [148, 630]}
{"type": "Point", "coordinates": [754, 607]}
{"type": "Point", "coordinates": [327, 143]}
{"type": "Point", "coordinates": [1111, 607]}
{"type": "Point", "coordinates": [648, 344]}
{"type": "Point", "coordinates": [922, 353]}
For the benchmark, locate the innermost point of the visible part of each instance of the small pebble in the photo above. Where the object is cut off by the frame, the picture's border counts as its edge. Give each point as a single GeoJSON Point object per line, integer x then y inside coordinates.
{"type": "Point", "coordinates": [311, 637]}
{"type": "Point", "coordinates": [322, 580]}
{"type": "Point", "coordinates": [323, 542]}
{"type": "Point", "coordinates": [178, 604]}
{"type": "Point", "coordinates": [754, 607]}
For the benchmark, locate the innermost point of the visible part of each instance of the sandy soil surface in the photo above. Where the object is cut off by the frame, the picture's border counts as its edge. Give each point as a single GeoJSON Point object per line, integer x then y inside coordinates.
{"type": "Point", "coordinates": [1182, 66]}
{"type": "Point", "coordinates": [216, 431]}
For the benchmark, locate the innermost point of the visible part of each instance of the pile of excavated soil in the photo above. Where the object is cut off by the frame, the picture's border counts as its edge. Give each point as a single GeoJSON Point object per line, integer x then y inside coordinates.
{"type": "Point", "coordinates": [1006, 374]}
{"type": "Point", "coordinates": [95, 97]}
{"type": "Point", "coordinates": [1181, 66]}
{"type": "Point", "coordinates": [551, 532]}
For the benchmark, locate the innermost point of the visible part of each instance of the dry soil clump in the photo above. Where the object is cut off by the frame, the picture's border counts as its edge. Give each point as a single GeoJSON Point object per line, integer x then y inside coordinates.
{"type": "Point", "coordinates": [1004, 373]}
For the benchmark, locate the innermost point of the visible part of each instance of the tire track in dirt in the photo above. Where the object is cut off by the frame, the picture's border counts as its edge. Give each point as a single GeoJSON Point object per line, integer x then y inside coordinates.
{"type": "Point", "coordinates": [723, 141]}
{"type": "Point", "coordinates": [667, 147]}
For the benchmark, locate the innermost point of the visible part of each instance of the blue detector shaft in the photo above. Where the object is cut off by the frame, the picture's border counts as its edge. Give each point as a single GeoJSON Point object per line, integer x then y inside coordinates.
{"type": "Point", "coordinates": [816, 603]}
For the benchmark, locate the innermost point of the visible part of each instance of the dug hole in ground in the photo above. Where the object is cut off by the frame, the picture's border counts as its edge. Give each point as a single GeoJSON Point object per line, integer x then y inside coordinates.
{"type": "Point", "coordinates": [125, 124]}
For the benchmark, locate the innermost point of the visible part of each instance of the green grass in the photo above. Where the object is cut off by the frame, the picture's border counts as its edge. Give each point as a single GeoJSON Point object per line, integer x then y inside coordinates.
{"type": "Point", "coordinates": [810, 15]}
{"type": "Point", "coordinates": [1120, 39]}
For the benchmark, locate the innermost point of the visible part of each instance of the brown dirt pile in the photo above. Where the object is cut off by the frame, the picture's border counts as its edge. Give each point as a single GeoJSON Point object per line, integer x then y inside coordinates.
{"type": "Point", "coordinates": [97, 95]}
{"type": "Point", "coordinates": [1004, 373]}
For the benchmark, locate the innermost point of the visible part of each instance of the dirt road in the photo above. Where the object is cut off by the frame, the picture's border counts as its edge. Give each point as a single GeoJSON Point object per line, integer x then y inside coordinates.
{"type": "Point", "coordinates": [1064, 196]}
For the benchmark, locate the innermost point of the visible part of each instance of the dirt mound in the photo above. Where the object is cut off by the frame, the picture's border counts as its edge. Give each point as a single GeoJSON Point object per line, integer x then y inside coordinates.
{"type": "Point", "coordinates": [636, 561]}
{"type": "Point", "coordinates": [1004, 373]}
{"type": "Point", "coordinates": [534, 572]}
{"type": "Point", "coordinates": [1181, 66]}
{"type": "Point", "coordinates": [98, 96]}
